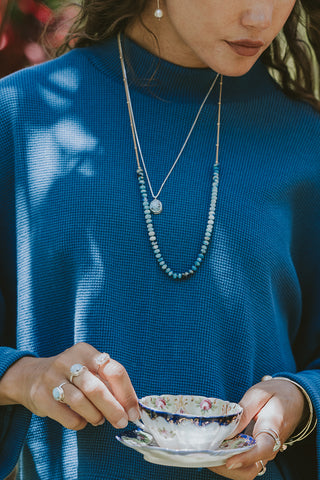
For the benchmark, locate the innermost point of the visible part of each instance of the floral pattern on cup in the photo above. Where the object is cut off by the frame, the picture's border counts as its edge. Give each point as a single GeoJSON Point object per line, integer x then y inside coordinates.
{"type": "Point", "coordinates": [166, 433]}
{"type": "Point", "coordinates": [160, 403]}
{"type": "Point", "coordinates": [206, 404]}
{"type": "Point", "coordinates": [189, 405]}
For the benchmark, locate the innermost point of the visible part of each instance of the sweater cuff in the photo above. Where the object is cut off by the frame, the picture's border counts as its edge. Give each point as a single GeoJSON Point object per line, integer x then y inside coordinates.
{"type": "Point", "coordinates": [310, 381]}
{"type": "Point", "coordinates": [9, 356]}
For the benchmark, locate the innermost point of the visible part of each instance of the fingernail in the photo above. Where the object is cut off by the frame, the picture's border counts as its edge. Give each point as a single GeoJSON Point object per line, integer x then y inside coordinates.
{"type": "Point", "coordinates": [100, 423]}
{"type": "Point", "coordinates": [122, 423]}
{"type": "Point", "coordinates": [133, 414]}
{"type": "Point", "coordinates": [235, 466]}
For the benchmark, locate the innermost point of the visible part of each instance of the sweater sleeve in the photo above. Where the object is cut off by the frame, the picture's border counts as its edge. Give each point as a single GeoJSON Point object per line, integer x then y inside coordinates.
{"type": "Point", "coordinates": [306, 347]}
{"type": "Point", "coordinates": [14, 419]}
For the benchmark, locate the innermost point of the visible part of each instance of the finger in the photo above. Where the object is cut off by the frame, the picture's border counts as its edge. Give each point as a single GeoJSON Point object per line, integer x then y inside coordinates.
{"type": "Point", "coordinates": [118, 379]}
{"type": "Point", "coordinates": [270, 416]}
{"type": "Point", "coordinates": [111, 372]}
{"type": "Point", "coordinates": [242, 473]}
{"type": "Point", "coordinates": [263, 450]}
{"type": "Point", "coordinates": [62, 414]}
{"type": "Point", "coordinates": [80, 404]}
{"type": "Point", "coordinates": [252, 402]}
{"type": "Point", "coordinates": [82, 353]}
{"type": "Point", "coordinates": [66, 417]}
{"type": "Point", "coordinates": [95, 390]}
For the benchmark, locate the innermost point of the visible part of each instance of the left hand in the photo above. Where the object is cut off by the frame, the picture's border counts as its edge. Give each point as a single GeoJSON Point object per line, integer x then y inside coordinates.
{"type": "Point", "coordinates": [275, 404]}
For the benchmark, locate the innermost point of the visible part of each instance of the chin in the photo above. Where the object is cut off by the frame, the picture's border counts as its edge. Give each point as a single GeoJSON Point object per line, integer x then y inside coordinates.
{"type": "Point", "coordinates": [234, 68]}
{"type": "Point", "coordinates": [237, 71]}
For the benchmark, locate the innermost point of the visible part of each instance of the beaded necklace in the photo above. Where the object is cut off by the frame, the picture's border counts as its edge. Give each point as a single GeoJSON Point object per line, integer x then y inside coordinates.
{"type": "Point", "coordinates": [157, 206]}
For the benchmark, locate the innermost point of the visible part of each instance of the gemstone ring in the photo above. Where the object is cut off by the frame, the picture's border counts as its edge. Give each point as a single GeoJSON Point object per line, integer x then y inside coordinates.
{"type": "Point", "coordinates": [75, 370]}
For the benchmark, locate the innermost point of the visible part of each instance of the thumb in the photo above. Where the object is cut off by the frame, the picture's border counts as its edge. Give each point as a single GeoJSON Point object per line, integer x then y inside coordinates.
{"type": "Point", "coordinates": [252, 402]}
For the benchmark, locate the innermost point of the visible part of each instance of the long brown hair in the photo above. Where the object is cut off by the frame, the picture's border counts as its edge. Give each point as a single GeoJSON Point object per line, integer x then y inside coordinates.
{"type": "Point", "coordinates": [293, 57]}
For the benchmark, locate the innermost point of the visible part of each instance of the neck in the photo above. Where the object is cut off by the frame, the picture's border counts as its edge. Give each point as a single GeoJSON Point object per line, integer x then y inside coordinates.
{"type": "Point", "coordinates": [174, 83]}
{"type": "Point", "coordinates": [158, 36]}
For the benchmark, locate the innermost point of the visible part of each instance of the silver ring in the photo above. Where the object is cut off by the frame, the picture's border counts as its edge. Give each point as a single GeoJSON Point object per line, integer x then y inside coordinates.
{"type": "Point", "coordinates": [102, 359]}
{"type": "Point", "coordinates": [58, 393]}
{"type": "Point", "coordinates": [263, 471]}
{"type": "Point", "coordinates": [274, 435]}
{"type": "Point", "coordinates": [75, 370]}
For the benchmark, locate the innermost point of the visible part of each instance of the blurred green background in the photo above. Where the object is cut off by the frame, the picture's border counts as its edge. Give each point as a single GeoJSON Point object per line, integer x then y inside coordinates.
{"type": "Point", "coordinates": [21, 24]}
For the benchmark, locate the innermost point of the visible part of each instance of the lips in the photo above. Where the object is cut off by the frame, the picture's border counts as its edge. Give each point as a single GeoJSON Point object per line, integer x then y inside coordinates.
{"type": "Point", "coordinates": [246, 48]}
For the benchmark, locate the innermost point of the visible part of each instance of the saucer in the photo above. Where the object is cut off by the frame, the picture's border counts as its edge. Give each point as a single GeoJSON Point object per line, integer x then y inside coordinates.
{"type": "Point", "coordinates": [145, 444]}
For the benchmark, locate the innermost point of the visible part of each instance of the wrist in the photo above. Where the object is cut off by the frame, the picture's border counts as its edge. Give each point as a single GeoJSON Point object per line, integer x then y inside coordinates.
{"type": "Point", "coordinates": [308, 419]}
{"type": "Point", "coordinates": [13, 381]}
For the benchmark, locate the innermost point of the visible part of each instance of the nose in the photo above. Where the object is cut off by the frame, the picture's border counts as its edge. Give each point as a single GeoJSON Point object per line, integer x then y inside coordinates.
{"type": "Point", "coordinates": [258, 16]}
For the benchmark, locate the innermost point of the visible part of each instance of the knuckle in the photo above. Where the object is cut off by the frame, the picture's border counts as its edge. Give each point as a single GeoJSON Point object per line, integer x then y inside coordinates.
{"type": "Point", "coordinates": [92, 391]}
{"type": "Point", "coordinates": [116, 370]}
{"type": "Point", "coordinates": [77, 424]}
{"type": "Point", "coordinates": [76, 398]}
{"type": "Point", "coordinates": [89, 384]}
{"type": "Point", "coordinates": [116, 415]}
{"type": "Point", "coordinates": [131, 400]}
{"type": "Point", "coordinates": [84, 348]}
{"type": "Point", "coordinates": [80, 346]}
{"type": "Point", "coordinates": [118, 420]}
{"type": "Point", "coordinates": [77, 347]}
{"type": "Point", "coordinates": [59, 362]}
{"type": "Point", "coordinates": [97, 420]}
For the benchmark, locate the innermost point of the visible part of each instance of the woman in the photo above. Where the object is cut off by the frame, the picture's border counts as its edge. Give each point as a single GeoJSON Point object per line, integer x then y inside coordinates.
{"type": "Point", "coordinates": [200, 276]}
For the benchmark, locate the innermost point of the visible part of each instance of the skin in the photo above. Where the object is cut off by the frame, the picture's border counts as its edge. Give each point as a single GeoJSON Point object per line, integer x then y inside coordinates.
{"type": "Point", "coordinates": [190, 34]}
{"type": "Point", "coordinates": [92, 396]}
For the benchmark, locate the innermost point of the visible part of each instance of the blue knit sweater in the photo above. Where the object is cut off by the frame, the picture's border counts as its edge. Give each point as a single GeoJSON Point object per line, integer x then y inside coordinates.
{"type": "Point", "coordinates": [77, 265]}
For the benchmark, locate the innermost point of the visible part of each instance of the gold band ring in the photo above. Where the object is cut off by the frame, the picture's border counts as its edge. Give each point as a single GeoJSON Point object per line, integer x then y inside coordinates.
{"type": "Point", "coordinates": [263, 468]}
{"type": "Point", "coordinates": [274, 435]}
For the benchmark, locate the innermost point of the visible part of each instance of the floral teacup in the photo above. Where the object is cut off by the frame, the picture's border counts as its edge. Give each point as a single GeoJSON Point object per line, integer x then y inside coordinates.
{"type": "Point", "coordinates": [183, 422]}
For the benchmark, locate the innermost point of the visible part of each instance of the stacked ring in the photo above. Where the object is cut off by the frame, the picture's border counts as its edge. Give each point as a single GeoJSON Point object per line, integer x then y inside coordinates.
{"type": "Point", "coordinates": [58, 393]}
{"type": "Point", "coordinates": [274, 435]}
{"type": "Point", "coordinates": [263, 470]}
{"type": "Point", "coordinates": [102, 359]}
{"type": "Point", "coordinates": [75, 370]}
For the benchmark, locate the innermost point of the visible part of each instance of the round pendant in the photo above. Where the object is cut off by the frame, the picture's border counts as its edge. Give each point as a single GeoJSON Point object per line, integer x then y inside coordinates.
{"type": "Point", "coordinates": [156, 206]}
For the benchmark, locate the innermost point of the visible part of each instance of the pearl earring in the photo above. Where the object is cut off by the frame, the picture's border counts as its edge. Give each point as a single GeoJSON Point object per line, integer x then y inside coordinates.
{"type": "Point", "coordinates": [158, 13]}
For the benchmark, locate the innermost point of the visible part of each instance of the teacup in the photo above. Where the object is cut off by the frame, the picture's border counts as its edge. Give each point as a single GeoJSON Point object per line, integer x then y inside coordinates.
{"type": "Point", "coordinates": [184, 422]}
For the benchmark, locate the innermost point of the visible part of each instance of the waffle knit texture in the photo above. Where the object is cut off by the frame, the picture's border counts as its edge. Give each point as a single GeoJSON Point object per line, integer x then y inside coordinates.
{"type": "Point", "coordinates": [77, 265]}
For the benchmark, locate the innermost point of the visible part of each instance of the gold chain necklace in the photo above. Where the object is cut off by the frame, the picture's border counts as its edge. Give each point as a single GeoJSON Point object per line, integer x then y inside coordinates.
{"type": "Point", "coordinates": [155, 206]}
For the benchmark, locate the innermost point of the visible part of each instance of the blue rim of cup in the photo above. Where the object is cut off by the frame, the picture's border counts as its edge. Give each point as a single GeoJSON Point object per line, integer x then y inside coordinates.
{"type": "Point", "coordinates": [199, 420]}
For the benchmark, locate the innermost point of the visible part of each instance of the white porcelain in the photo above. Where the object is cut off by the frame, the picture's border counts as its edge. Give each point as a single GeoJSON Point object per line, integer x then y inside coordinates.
{"type": "Point", "coordinates": [188, 421]}
{"type": "Point", "coordinates": [144, 443]}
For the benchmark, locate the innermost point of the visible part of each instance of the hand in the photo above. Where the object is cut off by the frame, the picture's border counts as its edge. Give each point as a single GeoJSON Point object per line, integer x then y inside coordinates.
{"type": "Point", "coordinates": [275, 404]}
{"type": "Point", "coordinates": [90, 398]}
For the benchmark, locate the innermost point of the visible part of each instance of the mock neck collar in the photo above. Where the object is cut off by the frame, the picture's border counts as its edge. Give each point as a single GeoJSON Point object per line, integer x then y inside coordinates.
{"type": "Point", "coordinates": [168, 81]}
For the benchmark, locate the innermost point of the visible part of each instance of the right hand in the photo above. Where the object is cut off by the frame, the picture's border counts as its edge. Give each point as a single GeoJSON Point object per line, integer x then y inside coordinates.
{"type": "Point", "coordinates": [90, 398]}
